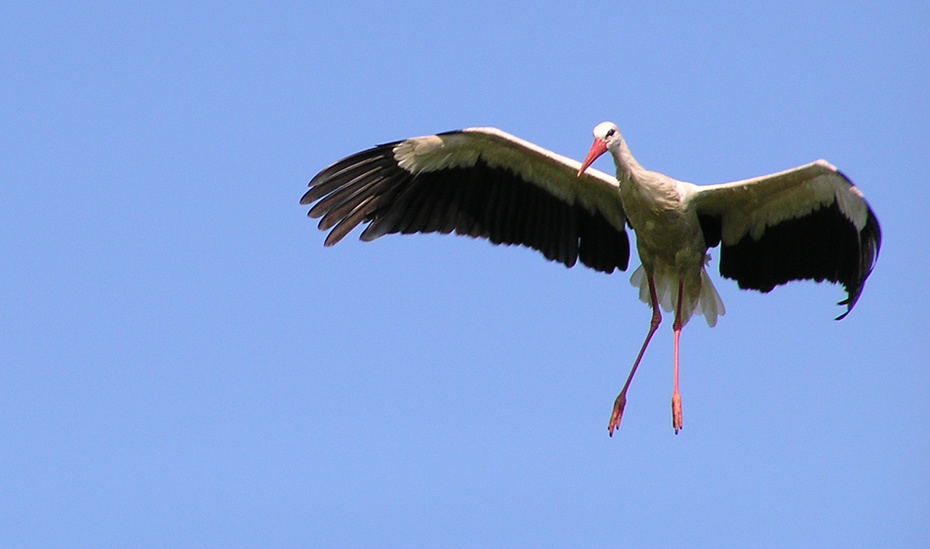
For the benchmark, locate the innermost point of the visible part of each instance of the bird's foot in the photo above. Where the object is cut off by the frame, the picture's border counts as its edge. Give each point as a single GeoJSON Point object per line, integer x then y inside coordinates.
{"type": "Point", "coordinates": [676, 412]}
{"type": "Point", "coordinates": [619, 404]}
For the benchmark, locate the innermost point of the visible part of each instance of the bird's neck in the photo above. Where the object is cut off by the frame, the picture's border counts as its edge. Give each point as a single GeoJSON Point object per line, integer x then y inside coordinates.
{"type": "Point", "coordinates": [627, 166]}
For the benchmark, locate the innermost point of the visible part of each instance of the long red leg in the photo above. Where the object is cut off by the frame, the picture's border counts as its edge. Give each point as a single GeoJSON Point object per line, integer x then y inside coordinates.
{"type": "Point", "coordinates": [620, 402]}
{"type": "Point", "coordinates": [676, 397]}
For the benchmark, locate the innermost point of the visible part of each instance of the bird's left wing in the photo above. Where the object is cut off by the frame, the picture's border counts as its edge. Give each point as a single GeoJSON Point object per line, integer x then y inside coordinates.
{"type": "Point", "coordinates": [479, 182]}
{"type": "Point", "coordinates": [809, 222]}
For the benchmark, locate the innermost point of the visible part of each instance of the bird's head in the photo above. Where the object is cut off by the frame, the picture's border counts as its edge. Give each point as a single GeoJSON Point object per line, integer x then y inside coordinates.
{"type": "Point", "coordinates": [606, 137]}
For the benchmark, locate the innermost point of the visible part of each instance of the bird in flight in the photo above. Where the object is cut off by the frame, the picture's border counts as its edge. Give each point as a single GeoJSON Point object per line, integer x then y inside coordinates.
{"type": "Point", "coordinates": [809, 222]}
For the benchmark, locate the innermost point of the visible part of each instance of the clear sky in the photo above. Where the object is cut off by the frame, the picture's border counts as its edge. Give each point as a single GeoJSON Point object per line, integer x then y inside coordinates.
{"type": "Point", "coordinates": [182, 363]}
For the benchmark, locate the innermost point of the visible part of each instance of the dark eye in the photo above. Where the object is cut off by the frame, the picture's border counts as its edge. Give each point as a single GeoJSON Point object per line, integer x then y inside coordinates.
{"type": "Point", "coordinates": [610, 132]}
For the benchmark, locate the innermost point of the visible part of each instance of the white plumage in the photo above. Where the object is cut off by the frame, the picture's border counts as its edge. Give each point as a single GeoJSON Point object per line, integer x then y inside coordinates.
{"type": "Point", "coordinates": [808, 222]}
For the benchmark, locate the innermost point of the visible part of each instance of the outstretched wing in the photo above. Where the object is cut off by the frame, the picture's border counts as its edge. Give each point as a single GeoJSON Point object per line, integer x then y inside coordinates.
{"type": "Point", "coordinates": [479, 182]}
{"type": "Point", "coordinates": [809, 222]}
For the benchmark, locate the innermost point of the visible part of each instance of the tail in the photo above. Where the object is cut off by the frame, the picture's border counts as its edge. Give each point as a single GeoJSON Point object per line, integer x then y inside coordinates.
{"type": "Point", "coordinates": [703, 300]}
{"type": "Point", "coordinates": [710, 303]}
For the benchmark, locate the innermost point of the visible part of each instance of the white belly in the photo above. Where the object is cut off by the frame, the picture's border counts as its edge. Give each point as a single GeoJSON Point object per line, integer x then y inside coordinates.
{"type": "Point", "coordinates": [671, 249]}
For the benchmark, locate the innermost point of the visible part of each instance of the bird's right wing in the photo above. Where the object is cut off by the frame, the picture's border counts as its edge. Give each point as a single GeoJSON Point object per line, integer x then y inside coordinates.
{"type": "Point", "coordinates": [479, 182]}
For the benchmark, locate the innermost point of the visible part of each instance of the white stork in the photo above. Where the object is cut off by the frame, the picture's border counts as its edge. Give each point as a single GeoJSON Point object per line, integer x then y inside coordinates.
{"type": "Point", "coordinates": [808, 222]}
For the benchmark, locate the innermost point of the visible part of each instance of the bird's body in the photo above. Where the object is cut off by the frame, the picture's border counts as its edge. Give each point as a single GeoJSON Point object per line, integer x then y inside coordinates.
{"type": "Point", "coordinates": [669, 239]}
{"type": "Point", "coordinates": [809, 222]}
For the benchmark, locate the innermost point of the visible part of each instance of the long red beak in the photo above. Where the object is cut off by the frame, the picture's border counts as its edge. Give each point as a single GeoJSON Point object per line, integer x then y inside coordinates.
{"type": "Point", "coordinates": [597, 149]}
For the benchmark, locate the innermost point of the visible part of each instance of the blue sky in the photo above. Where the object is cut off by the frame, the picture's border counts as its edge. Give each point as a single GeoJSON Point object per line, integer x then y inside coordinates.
{"type": "Point", "coordinates": [182, 363]}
